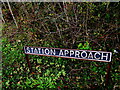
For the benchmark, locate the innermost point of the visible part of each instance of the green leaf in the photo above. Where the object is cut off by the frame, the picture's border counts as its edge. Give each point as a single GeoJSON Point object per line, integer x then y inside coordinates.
{"type": "Point", "coordinates": [98, 15]}
{"type": "Point", "coordinates": [80, 45]}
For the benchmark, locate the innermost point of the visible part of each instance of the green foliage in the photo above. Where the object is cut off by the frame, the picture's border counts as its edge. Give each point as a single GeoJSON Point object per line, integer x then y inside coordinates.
{"type": "Point", "coordinates": [40, 82]}
{"type": "Point", "coordinates": [86, 46]}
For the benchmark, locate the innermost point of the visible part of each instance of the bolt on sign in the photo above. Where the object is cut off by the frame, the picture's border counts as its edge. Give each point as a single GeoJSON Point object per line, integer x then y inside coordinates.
{"type": "Point", "coordinates": [101, 56]}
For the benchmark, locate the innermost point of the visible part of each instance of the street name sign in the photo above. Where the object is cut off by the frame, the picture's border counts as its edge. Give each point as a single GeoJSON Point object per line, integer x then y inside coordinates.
{"type": "Point", "coordinates": [101, 56]}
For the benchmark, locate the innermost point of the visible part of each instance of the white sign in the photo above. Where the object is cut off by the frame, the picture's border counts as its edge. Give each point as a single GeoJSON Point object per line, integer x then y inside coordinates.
{"type": "Point", "coordinates": [101, 56]}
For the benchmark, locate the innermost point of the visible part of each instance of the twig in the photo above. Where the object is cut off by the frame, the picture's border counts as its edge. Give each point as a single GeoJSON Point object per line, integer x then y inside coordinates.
{"type": "Point", "coordinates": [2, 15]}
{"type": "Point", "coordinates": [12, 14]}
{"type": "Point", "coordinates": [65, 11]}
{"type": "Point", "coordinates": [86, 21]}
{"type": "Point", "coordinates": [74, 9]}
{"type": "Point", "coordinates": [78, 69]}
{"type": "Point", "coordinates": [25, 10]}
{"type": "Point", "coordinates": [58, 30]}
{"type": "Point", "coordinates": [3, 4]}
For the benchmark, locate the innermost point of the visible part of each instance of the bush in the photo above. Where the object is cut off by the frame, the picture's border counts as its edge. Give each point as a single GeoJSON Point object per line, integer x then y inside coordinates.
{"type": "Point", "coordinates": [89, 26]}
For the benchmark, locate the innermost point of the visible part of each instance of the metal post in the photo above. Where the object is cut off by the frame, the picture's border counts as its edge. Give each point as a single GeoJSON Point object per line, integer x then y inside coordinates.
{"type": "Point", "coordinates": [108, 74]}
{"type": "Point", "coordinates": [28, 62]}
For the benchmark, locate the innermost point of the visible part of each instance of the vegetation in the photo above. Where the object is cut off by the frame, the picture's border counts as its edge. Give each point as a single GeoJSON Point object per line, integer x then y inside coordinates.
{"type": "Point", "coordinates": [90, 26]}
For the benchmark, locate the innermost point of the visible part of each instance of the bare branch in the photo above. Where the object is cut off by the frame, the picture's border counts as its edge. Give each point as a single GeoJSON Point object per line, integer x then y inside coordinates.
{"type": "Point", "coordinates": [1, 15]}
{"type": "Point", "coordinates": [12, 13]}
